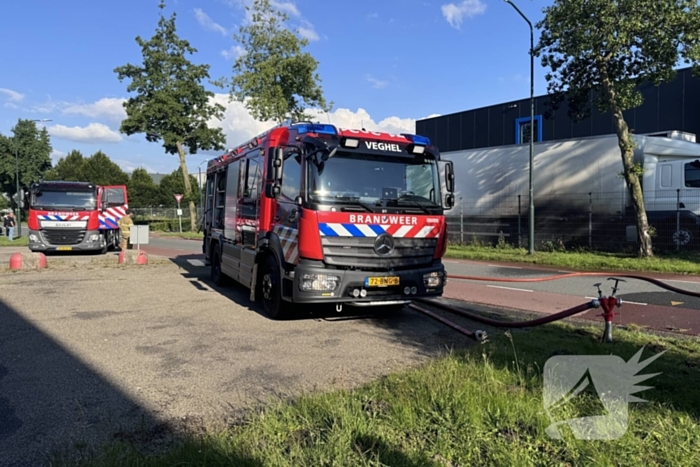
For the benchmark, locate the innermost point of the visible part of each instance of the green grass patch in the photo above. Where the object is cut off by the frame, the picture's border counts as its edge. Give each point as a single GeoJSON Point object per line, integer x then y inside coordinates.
{"type": "Point", "coordinates": [193, 235]}
{"type": "Point", "coordinates": [21, 241]}
{"type": "Point", "coordinates": [682, 263]}
{"type": "Point", "coordinates": [482, 406]}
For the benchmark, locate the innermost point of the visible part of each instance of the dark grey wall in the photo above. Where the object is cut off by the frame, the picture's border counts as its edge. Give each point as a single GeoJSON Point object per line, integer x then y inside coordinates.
{"type": "Point", "coordinates": [670, 106]}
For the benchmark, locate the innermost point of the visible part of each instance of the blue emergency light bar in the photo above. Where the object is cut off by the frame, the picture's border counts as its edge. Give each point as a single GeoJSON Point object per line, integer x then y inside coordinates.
{"type": "Point", "coordinates": [417, 139]}
{"type": "Point", "coordinates": [315, 128]}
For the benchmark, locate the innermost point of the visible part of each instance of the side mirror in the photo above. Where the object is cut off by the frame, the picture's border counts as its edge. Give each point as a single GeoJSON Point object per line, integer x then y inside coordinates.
{"type": "Point", "coordinates": [327, 155]}
{"type": "Point", "coordinates": [277, 164]}
{"type": "Point", "coordinates": [298, 200]}
{"type": "Point", "coordinates": [449, 177]}
{"type": "Point", "coordinates": [449, 201]}
{"type": "Point", "coordinates": [273, 190]}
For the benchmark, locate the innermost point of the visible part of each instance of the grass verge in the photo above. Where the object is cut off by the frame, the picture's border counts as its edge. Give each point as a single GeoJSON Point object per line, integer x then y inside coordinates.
{"type": "Point", "coordinates": [482, 406]}
{"type": "Point", "coordinates": [682, 263]}
{"type": "Point", "coordinates": [189, 235]}
{"type": "Point", "coordinates": [21, 241]}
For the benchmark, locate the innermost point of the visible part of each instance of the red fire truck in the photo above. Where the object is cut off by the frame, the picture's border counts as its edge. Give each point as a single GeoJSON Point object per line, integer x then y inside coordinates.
{"type": "Point", "coordinates": [309, 213]}
{"type": "Point", "coordinates": [77, 216]}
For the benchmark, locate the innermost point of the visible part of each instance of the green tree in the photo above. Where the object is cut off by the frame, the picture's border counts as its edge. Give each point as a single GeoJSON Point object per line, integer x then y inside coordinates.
{"type": "Point", "coordinates": [274, 78]}
{"type": "Point", "coordinates": [142, 190]}
{"type": "Point", "coordinates": [600, 51]}
{"type": "Point", "coordinates": [100, 170]}
{"type": "Point", "coordinates": [29, 151]}
{"type": "Point", "coordinates": [68, 168]}
{"type": "Point", "coordinates": [171, 103]}
{"type": "Point", "coordinates": [173, 184]}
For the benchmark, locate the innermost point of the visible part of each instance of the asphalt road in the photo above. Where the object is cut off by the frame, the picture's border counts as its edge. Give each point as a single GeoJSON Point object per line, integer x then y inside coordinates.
{"type": "Point", "coordinates": [633, 291]}
{"type": "Point", "coordinates": [91, 354]}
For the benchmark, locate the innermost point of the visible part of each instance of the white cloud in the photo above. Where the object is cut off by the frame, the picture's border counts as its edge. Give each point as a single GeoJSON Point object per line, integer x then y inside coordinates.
{"type": "Point", "coordinates": [13, 96]}
{"type": "Point", "coordinates": [308, 32]}
{"type": "Point", "coordinates": [108, 107]}
{"type": "Point", "coordinates": [233, 53]}
{"type": "Point", "coordinates": [239, 126]}
{"type": "Point", "coordinates": [56, 155]}
{"type": "Point", "coordinates": [373, 15]}
{"type": "Point", "coordinates": [377, 83]}
{"type": "Point", "coordinates": [93, 133]}
{"type": "Point", "coordinates": [206, 22]}
{"type": "Point", "coordinates": [454, 14]}
{"type": "Point", "coordinates": [287, 7]}
{"type": "Point", "coordinates": [130, 166]}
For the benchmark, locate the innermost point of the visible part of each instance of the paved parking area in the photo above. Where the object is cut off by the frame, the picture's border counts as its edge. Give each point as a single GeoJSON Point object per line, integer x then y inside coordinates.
{"type": "Point", "coordinates": [91, 353]}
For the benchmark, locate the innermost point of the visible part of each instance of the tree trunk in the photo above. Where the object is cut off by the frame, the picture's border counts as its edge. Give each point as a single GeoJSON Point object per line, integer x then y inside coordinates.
{"type": "Point", "coordinates": [188, 188]}
{"type": "Point", "coordinates": [632, 177]}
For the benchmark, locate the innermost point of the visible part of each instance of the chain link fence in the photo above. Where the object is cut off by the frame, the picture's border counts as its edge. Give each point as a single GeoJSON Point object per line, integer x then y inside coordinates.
{"type": "Point", "coordinates": [596, 221]}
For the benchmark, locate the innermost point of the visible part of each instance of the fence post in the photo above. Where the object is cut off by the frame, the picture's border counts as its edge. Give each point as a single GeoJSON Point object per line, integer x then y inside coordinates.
{"type": "Point", "coordinates": [519, 227]}
{"type": "Point", "coordinates": [461, 221]}
{"type": "Point", "coordinates": [590, 220]}
{"type": "Point", "coordinates": [678, 218]}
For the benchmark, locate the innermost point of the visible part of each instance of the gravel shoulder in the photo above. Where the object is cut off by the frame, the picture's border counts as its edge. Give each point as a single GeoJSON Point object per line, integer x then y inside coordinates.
{"type": "Point", "coordinates": [91, 353]}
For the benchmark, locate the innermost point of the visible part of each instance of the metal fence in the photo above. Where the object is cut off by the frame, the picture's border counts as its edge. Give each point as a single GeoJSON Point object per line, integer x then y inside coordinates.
{"type": "Point", "coordinates": [603, 221]}
{"type": "Point", "coordinates": [600, 221]}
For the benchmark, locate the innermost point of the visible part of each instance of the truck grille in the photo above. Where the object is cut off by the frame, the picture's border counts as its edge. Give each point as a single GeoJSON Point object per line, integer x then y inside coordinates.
{"type": "Point", "coordinates": [359, 252]}
{"type": "Point", "coordinates": [63, 237]}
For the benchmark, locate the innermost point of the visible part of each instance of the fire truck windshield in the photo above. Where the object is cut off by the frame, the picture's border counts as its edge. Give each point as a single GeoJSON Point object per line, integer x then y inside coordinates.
{"type": "Point", "coordinates": [375, 180]}
{"type": "Point", "coordinates": [48, 199]}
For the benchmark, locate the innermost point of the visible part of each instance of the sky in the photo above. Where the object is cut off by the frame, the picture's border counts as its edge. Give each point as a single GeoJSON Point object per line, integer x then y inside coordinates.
{"type": "Point", "coordinates": [384, 64]}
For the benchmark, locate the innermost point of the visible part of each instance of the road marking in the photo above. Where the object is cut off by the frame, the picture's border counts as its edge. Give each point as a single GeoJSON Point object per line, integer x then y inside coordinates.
{"type": "Point", "coordinates": [196, 262]}
{"type": "Point", "coordinates": [453, 262]}
{"type": "Point", "coordinates": [501, 266]}
{"type": "Point", "coordinates": [623, 301]}
{"type": "Point", "coordinates": [568, 272]}
{"type": "Point", "coordinates": [509, 288]}
{"type": "Point", "coordinates": [675, 303]}
{"type": "Point", "coordinates": [685, 282]}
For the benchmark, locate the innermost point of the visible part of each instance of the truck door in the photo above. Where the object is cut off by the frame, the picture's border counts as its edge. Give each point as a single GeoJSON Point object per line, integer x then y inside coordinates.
{"type": "Point", "coordinates": [249, 205]}
{"type": "Point", "coordinates": [113, 205]}
{"type": "Point", "coordinates": [286, 220]}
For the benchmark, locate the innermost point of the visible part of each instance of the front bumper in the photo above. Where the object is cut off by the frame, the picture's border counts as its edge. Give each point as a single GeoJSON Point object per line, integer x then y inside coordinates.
{"type": "Point", "coordinates": [350, 280]}
{"type": "Point", "coordinates": [70, 240]}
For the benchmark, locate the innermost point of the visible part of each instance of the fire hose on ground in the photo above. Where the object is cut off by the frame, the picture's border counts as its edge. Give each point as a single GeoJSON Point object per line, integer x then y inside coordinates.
{"type": "Point", "coordinates": [607, 303]}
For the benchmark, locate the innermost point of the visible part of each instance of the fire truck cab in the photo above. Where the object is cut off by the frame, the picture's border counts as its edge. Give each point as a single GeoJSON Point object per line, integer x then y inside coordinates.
{"type": "Point", "coordinates": [309, 213]}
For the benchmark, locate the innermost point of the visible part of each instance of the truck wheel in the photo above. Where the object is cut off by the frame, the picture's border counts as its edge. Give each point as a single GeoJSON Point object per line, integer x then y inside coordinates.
{"type": "Point", "coordinates": [271, 288]}
{"type": "Point", "coordinates": [216, 275]}
{"type": "Point", "coordinates": [682, 237]}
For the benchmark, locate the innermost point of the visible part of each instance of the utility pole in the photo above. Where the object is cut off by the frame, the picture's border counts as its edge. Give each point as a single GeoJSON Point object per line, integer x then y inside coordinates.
{"type": "Point", "coordinates": [531, 217]}
{"type": "Point", "coordinates": [18, 216]}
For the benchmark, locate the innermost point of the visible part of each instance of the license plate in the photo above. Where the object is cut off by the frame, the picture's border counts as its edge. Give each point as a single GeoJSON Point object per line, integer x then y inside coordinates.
{"type": "Point", "coordinates": [381, 281]}
{"type": "Point", "coordinates": [64, 248]}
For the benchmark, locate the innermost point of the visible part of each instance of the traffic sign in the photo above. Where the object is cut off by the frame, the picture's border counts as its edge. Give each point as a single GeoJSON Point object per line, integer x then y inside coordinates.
{"type": "Point", "coordinates": [178, 198]}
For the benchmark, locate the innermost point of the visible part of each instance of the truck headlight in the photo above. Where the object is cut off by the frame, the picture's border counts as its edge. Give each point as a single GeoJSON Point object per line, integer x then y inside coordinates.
{"type": "Point", "coordinates": [33, 238]}
{"type": "Point", "coordinates": [318, 283]}
{"type": "Point", "coordinates": [433, 279]}
{"type": "Point", "coordinates": [94, 238]}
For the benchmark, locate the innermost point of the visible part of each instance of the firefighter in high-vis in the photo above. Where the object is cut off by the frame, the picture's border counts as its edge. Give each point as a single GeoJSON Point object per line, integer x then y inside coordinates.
{"type": "Point", "coordinates": [125, 224]}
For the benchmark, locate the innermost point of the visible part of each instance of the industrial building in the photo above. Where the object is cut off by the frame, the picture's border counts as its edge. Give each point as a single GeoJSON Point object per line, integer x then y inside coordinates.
{"type": "Point", "coordinates": [672, 106]}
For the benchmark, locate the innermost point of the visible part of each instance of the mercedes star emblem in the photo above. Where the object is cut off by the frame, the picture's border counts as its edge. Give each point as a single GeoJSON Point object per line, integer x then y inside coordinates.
{"type": "Point", "coordinates": [384, 245]}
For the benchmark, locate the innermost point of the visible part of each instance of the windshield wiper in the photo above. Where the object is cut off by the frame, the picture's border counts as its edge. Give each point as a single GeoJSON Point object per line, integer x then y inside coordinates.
{"type": "Point", "coordinates": [411, 202]}
{"type": "Point", "coordinates": [356, 202]}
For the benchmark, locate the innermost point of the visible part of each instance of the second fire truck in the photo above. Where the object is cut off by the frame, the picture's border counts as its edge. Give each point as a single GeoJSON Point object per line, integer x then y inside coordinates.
{"type": "Point", "coordinates": [309, 213]}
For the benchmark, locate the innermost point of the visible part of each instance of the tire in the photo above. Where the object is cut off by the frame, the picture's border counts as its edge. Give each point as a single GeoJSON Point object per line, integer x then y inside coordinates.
{"type": "Point", "coordinates": [682, 237]}
{"type": "Point", "coordinates": [218, 277]}
{"type": "Point", "coordinates": [271, 288]}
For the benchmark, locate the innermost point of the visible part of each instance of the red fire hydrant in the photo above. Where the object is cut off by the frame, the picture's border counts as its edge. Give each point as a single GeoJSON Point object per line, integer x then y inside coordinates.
{"type": "Point", "coordinates": [608, 304]}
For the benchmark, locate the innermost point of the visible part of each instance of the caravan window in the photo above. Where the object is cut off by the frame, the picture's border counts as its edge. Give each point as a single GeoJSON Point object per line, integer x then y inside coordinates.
{"type": "Point", "coordinates": [692, 174]}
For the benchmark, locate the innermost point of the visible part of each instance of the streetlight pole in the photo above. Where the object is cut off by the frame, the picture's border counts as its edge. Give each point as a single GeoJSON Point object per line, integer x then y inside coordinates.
{"type": "Point", "coordinates": [19, 210]}
{"type": "Point", "coordinates": [531, 217]}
